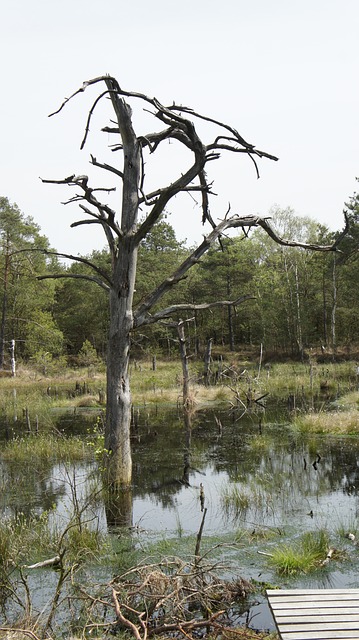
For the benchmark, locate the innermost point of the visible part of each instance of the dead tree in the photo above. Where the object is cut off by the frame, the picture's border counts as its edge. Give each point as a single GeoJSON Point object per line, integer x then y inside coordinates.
{"type": "Point", "coordinates": [124, 232]}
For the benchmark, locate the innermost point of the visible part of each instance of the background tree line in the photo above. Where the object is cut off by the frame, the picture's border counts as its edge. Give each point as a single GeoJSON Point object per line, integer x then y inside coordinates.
{"type": "Point", "coordinates": [299, 299]}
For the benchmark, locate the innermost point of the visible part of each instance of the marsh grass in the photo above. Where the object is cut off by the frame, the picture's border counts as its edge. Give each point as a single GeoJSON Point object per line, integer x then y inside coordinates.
{"type": "Point", "coordinates": [45, 448]}
{"type": "Point", "coordinates": [257, 496]}
{"type": "Point", "coordinates": [349, 400]}
{"type": "Point", "coordinates": [234, 500]}
{"type": "Point", "coordinates": [164, 385]}
{"type": "Point", "coordinates": [309, 378]}
{"type": "Point", "coordinates": [346, 526]}
{"type": "Point", "coordinates": [302, 556]}
{"type": "Point", "coordinates": [334, 422]}
{"type": "Point", "coordinates": [23, 537]}
{"type": "Point", "coordinates": [86, 542]}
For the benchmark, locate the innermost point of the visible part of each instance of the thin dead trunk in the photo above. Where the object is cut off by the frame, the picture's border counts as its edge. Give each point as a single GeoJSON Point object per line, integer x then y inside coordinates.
{"type": "Point", "coordinates": [184, 362]}
{"type": "Point", "coordinates": [207, 361]}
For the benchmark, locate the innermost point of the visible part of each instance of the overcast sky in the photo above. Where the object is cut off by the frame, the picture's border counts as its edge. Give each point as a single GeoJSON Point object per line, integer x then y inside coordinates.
{"type": "Point", "coordinates": [284, 73]}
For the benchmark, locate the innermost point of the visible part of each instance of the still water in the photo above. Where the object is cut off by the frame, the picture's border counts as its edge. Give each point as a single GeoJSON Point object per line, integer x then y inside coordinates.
{"type": "Point", "coordinates": [285, 482]}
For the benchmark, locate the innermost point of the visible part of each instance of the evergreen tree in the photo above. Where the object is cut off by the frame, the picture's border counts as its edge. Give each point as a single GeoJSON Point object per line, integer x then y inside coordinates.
{"type": "Point", "coordinates": [26, 304]}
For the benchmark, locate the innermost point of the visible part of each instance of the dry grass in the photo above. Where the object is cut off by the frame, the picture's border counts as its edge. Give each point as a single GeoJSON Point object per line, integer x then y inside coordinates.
{"type": "Point", "coordinates": [164, 385]}
{"type": "Point", "coordinates": [335, 422]}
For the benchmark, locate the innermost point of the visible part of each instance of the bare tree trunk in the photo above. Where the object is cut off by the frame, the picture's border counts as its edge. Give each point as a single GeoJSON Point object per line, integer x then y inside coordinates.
{"type": "Point", "coordinates": [118, 408]}
{"type": "Point", "coordinates": [230, 317]}
{"type": "Point", "coordinates": [184, 362]}
{"type": "Point", "coordinates": [207, 361]}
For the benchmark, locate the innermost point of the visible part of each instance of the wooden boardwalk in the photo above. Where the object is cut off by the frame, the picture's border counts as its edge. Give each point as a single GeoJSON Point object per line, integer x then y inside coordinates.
{"type": "Point", "coordinates": [315, 614]}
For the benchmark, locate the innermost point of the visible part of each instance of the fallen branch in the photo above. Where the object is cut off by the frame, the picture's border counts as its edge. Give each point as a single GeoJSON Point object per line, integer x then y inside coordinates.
{"type": "Point", "coordinates": [188, 625]}
{"type": "Point", "coordinates": [127, 623]}
{"type": "Point", "coordinates": [51, 562]}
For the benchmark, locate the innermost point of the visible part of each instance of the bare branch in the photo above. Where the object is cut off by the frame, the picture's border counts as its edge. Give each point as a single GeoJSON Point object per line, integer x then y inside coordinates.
{"type": "Point", "coordinates": [153, 297]}
{"type": "Point", "coordinates": [262, 222]}
{"type": "Point", "coordinates": [108, 167]}
{"type": "Point", "coordinates": [176, 308]}
{"type": "Point", "coordinates": [177, 127]}
{"type": "Point", "coordinates": [244, 222]}
{"type": "Point", "coordinates": [173, 189]}
{"type": "Point", "coordinates": [105, 215]}
{"type": "Point", "coordinates": [80, 90]}
{"type": "Point", "coordinates": [70, 256]}
{"type": "Point", "coordinates": [75, 276]}
{"type": "Point", "coordinates": [87, 129]}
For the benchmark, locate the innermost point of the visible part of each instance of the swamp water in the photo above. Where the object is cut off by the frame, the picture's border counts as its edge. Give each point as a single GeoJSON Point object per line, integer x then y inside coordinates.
{"type": "Point", "coordinates": [264, 485]}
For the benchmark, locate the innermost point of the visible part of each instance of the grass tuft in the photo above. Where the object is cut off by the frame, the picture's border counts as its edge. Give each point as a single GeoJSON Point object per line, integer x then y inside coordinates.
{"type": "Point", "coordinates": [234, 500]}
{"type": "Point", "coordinates": [302, 556]}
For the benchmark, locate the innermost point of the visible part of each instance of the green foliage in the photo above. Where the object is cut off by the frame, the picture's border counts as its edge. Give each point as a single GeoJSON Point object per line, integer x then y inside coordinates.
{"type": "Point", "coordinates": [81, 306]}
{"type": "Point", "coordinates": [46, 364]}
{"type": "Point", "coordinates": [291, 311]}
{"type": "Point", "coordinates": [159, 255]}
{"type": "Point", "coordinates": [87, 355]}
{"type": "Point", "coordinates": [25, 301]}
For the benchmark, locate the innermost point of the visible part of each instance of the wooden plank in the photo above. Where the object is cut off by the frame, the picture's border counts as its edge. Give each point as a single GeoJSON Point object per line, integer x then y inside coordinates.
{"type": "Point", "coordinates": [319, 604]}
{"type": "Point", "coordinates": [298, 592]}
{"type": "Point", "coordinates": [315, 614]}
{"type": "Point", "coordinates": [320, 611]}
{"type": "Point", "coordinates": [317, 617]}
{"type": "Point", "coordinates": [320, 626]}
{"type": "Point", "coordinates": [329, 597]}
{"type": "Point", "coordinates": [321, 635]}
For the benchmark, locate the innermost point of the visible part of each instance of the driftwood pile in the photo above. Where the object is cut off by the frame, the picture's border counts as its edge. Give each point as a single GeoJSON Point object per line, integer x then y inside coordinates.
{"type": "Point", "coordinates": [171, 598]}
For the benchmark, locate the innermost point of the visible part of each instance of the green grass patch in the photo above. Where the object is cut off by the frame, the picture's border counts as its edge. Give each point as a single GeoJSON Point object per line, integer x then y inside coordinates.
{"type": "Point", "coordinates": [45, 447]}
{"type": "Point", "coordinates": [304, 555]}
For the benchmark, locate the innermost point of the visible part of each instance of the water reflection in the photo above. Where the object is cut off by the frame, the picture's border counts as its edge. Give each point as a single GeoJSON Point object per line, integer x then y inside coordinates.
{"type": "Point", "coordinates": [284, 479]}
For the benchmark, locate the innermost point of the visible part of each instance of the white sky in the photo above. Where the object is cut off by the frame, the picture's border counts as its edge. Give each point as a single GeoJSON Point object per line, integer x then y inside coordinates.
{"type": "Point", "coordinates": [284, 73]}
